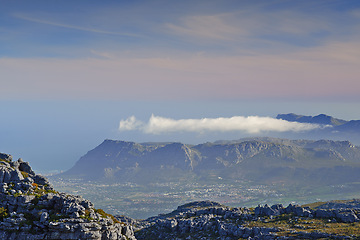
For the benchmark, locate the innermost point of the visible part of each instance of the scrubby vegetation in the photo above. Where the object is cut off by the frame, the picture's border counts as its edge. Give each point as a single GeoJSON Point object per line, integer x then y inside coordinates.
{"type": "Point", "coordinates": [290, 225]}
{"type": "Point", "coordinates": [106, 215]}
{"type": "Point", "coordinates": [3, 213]}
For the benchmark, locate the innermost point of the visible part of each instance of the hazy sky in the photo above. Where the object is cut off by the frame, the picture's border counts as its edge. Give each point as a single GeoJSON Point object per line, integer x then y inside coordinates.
{"type": "Point", "coordinates": [70, 71]}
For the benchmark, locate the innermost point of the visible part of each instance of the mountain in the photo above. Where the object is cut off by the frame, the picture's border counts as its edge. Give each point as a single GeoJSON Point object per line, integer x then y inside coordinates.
{"type": "Point", "coordinates": [145, 179]}
{"type": "Point", "coordinates": [265, 160]}
{"type": "Point", "coordinates": [350, 126]}
{"type": "Point", "coordinates": [30, 208]}
{"type": "Point", "coordinates": [331, 128]}
{"type": "Point", "coordinates": [337, 125]}
{"type": "Point", "coordinates": [319, 119]}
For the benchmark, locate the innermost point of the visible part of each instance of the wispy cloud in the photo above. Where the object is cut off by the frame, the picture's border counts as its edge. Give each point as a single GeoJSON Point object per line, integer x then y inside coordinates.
{"type": "Point", "coordinates": [249, 25]}
{"type": "Point", "coordinates": [93, 30]}
{"type": "Point", "coordinates": [207, 26]}
{"type": "Point", "coordinates": [251, 124]}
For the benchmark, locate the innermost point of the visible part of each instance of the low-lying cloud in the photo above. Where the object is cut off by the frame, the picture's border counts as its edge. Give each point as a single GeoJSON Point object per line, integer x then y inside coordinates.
{"type": "Point", "coordinates": [250, 124]}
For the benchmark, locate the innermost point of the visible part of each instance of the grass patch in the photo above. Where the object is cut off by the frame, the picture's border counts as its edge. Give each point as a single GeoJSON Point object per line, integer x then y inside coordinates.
{"type": "Point", "coordinates": [287, 224]}
{"type": "Point", "coordinates": [313, 205]}
{"type": "Point", "coordinates": [87, 215]}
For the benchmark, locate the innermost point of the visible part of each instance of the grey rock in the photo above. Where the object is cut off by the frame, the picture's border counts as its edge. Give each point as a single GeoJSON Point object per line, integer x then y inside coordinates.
{"type": "Point", "coordinates": [44, 216]}
{"type": "Point", "coordinates": [6, 157]}
{"type": "Point", "coordinates": [320, 213]}
{"type": "Point", "coordinates": [24, 199]}
{"type": "Point", "coordinates": [25, 166]}
{"type": "Point", "coordinates": [16, 176]}
{"type": "Point", "coordinates": [41, 180]}
{"type": "Point", "coordinates": [347, 216]}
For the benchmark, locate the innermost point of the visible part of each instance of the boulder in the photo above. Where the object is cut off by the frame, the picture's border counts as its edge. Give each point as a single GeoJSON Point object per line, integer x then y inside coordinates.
{"type": "Point", "coordinates": [25, 167]}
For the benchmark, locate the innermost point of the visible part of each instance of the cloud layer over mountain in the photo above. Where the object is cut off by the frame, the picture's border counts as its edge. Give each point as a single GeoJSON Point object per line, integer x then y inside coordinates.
{"type": "Point", "coordinates": [250, 124]}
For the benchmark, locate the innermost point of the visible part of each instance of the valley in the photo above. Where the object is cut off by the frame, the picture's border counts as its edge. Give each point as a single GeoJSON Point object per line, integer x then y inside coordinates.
{"type": "Point", "coordinates": [143, 201]}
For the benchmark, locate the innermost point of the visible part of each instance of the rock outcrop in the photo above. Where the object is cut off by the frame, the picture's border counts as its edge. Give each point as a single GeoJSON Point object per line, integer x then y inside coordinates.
{"type": "Point", "coordinates": [210, 220]}
{"type": "Point", "coordinates": [31, 209]}
{"type": "Point", "coordinates": [345, 215]}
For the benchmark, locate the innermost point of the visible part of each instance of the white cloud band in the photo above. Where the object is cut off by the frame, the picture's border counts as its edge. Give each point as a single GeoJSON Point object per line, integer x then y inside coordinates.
{"type": "Point", "coordinates": [251, 124]}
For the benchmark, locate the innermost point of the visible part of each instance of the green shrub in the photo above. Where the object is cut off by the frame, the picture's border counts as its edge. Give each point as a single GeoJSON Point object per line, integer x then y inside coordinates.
{"type": "Point", "coordinates": [3, 213]}
{"type": "Point", "coordinates": [24, 174]}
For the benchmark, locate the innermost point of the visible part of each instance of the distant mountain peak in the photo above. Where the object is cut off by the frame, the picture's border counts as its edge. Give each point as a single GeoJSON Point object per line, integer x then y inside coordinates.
{"type": "Point", "coordinates": [319, 119]}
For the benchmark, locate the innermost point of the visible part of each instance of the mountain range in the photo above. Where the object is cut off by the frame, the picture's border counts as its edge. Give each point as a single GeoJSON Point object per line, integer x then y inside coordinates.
{"type": "Point", "coordinates": [262, 160]}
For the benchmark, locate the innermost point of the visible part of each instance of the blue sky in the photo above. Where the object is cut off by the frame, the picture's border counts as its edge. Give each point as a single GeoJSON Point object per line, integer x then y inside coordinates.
{"type": "Point", "coordinates": [70, 71]}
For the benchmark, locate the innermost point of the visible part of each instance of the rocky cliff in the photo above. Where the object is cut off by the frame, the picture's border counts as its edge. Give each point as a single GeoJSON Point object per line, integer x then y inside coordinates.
{"type": "Point", "coordinates": [31, 209]}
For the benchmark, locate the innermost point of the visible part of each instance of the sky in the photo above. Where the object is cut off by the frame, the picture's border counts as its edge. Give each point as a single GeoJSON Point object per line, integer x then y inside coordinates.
{"type": "Point", "coordinates": [73, 73]}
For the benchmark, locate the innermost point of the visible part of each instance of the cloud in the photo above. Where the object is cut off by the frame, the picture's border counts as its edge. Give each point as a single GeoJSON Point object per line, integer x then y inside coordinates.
{"type": "Point", "coordinates": [130, 123]}
{"type": "Point", "coordinates": [250, 124]}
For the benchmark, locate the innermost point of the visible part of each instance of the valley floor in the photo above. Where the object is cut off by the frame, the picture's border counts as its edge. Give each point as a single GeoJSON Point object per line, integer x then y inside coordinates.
{"type": "Point", "coordinates": [143, 201]}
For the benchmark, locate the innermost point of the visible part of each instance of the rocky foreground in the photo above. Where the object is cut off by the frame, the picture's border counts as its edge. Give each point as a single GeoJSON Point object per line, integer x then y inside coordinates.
{"type": "Point", "coordinates": [211, 220]}
{"type": "Point", "coordinates": [31, 209]}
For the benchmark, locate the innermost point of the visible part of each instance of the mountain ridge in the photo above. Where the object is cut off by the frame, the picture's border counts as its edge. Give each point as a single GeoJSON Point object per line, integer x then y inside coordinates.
{"type": "Point", "coordinates": [318, 119]}
{"type": "Point", "coordinates": [246, 157]}
{"type": "Point", "coordinates": [338, 125]}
